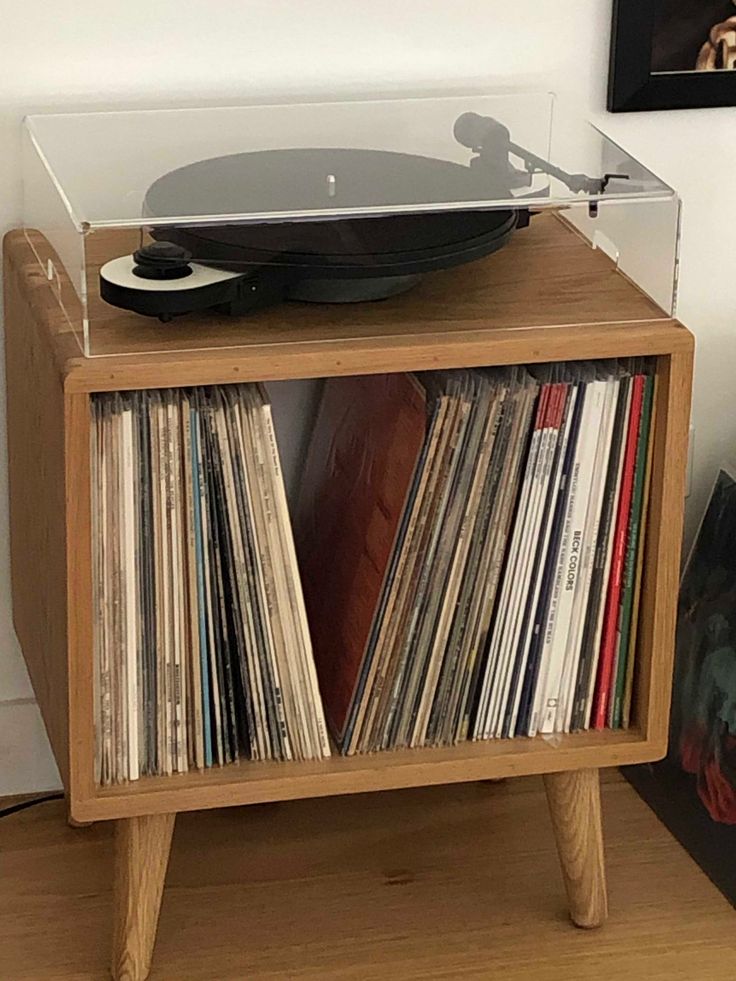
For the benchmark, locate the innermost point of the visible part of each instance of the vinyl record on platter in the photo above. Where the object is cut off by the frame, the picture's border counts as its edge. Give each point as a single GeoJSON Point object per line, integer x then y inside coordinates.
{"type": "Point", "coordinates": [312, 180]}
{"type": "Point", "coordinates": [290, 181]}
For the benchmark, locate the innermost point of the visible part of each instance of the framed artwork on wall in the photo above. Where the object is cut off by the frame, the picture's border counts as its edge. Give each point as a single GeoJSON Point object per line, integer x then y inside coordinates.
{"type": "Point", "coordinates": [672, 54]}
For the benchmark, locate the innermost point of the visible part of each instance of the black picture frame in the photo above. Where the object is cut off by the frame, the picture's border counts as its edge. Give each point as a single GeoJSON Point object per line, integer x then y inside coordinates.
{"type": "Point", "coordinates": [634, 87]}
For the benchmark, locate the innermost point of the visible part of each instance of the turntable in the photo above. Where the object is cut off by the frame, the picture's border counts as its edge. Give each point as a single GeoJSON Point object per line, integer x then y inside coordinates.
{"type": "Point", "coordinates": [336, 260]}
{"type": "Point", "coordinates": [233, 210]}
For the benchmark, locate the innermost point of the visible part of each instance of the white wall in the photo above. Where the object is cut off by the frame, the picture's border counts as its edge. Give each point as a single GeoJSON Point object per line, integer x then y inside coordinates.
{"type": "Point", "coordinates": [77, 54]}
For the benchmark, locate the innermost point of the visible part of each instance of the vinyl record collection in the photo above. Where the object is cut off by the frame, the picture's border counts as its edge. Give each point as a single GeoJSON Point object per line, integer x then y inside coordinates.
{"type": "Point", "coordinates": [485, 530]}
{"type": "Point", "coordinates": [469, 542]}
{"type": "Point", "coordinates": [202, 651]}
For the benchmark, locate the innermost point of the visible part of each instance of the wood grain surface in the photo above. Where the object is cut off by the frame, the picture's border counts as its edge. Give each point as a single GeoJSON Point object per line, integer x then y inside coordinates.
{"type": "Point", "coordinates": [142, 847]}
{"type": "Point", "coordinates": [255, 783]}
{"type": "Point", "coordinates": [575, 809]}
{"type": "Point", "coordinates": [484, 314]}
{"type": "Point", "coordinates": [37, 492]}
{"type": "Point", "coordinates": [438, 884]}
{"type": "Point", "coordinates": [548, 294]}
{"type": "Point", "coordinates": [663, 544]}
{"type": "Point", "coordinates": [79, 592]}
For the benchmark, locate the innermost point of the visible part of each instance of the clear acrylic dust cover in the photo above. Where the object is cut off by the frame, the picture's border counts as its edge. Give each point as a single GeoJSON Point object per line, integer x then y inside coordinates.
{"type": "Point", "coordinates": [143, 221]}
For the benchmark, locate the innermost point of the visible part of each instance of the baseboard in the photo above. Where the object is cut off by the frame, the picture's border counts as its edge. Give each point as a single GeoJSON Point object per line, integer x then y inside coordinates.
{"type": "Point", "coordinates": [26, 762]}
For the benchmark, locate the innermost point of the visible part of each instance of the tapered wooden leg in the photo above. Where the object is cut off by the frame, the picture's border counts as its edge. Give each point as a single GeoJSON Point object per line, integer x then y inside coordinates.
{"type": "Point", "coordinates": [142, 847]}
{"type": "Point", "coordinates": [575, 807]}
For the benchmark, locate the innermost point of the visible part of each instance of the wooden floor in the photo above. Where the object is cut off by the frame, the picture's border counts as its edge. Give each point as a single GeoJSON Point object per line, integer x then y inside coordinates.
{"type": "Point", "coordinates": [439, 883]}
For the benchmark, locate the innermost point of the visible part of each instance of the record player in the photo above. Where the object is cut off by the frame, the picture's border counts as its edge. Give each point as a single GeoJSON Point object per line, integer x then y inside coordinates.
{"type": "Point", "coordinates": [238, 209]}
{"type": "Point", "coordinates": [338, 260]}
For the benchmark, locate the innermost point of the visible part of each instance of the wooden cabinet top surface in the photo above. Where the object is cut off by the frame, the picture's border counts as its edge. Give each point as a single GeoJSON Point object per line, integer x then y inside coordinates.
{"type": "Point", "coordinates": [547, 296]}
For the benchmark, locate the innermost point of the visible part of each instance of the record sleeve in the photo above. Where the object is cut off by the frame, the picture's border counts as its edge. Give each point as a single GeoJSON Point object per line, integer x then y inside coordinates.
{"type": "Point", "coordinates": [344, 553]}
{"type": "Point", "coordinates": [611, 618]}
{"type": "Point", "coordinates": [615, 711]}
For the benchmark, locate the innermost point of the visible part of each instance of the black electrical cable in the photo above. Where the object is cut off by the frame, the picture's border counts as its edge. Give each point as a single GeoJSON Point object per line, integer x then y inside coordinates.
{"type": "Point", "coordinates": [23, 804]}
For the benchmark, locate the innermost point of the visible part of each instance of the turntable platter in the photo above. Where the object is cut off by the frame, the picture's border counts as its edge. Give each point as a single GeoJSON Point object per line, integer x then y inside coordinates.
{"type": "Point", "coordinates": [294, 181]}
{"type": "Point", "coordinates": [330, 225]}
